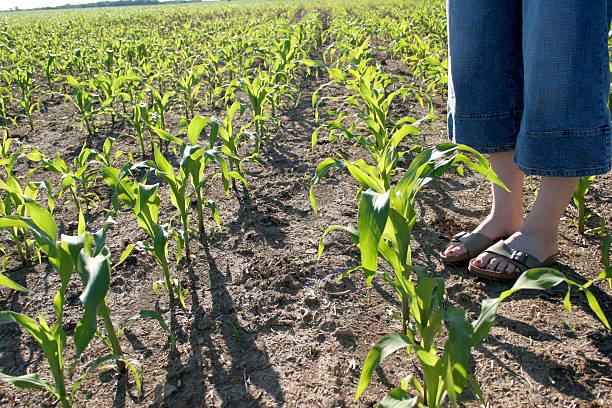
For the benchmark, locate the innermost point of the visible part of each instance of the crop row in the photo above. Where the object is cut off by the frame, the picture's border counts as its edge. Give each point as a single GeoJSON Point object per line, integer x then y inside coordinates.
{"type": "Point", "coordinates": [162, 78]}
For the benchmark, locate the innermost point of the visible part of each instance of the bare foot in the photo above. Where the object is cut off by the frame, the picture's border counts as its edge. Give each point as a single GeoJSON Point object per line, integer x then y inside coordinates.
{"type": "Point", "coordinates": [524, 241]}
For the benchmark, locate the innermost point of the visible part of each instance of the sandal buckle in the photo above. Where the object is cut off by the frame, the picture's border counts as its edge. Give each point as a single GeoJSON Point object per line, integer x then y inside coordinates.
{"type": "Point", "coordinates": [518, 256]}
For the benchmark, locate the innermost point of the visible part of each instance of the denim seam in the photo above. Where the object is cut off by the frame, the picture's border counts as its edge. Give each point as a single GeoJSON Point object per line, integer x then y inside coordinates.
{"type": "Point", "coordinates": [604, 67]}
{"type": "Point", "coordinates": [487, 116]}
{"type": "Point", "coordinates": [583, 172]}
{"type": "Point", "coordinates": [576, 132]}
{"type": "Point", "coordinates": [497, 149]}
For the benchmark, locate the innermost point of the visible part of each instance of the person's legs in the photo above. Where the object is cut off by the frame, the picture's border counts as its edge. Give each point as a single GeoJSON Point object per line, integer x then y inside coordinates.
{"type": "Point", "coordinates": [565, 129]}
{"type": "Point", "coordinates": [538, 234]}
{"type": "Point", "coordinates": [506, 214]}
{"type": "Point", "coordinates": [485, 99]}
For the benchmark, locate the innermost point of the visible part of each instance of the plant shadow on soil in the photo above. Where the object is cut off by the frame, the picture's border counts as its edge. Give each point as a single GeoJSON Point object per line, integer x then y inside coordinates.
{"type": "Point", "coordinates": [247, 361]}
{"type": "Point", "coordinates": [538, 366]}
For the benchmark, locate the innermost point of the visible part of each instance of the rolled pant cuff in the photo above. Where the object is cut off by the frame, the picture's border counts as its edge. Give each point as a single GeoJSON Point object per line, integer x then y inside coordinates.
{"type": "Point", "coordinates": [485, 132]}
{"type": "Point", "coordinates": [573, 153]}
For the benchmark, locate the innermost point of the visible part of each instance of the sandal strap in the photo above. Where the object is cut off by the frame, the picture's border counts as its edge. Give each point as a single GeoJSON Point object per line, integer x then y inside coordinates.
{"type": "Point", "coordinates": [521, 259]}
{"type": "Point", "coordinates": [474, 242]}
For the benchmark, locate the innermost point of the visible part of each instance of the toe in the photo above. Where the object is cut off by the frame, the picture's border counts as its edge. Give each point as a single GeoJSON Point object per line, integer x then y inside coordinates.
{"type": "Point", "coordinates": [512, 269]}
{"type": "Point", "coordinates": [501, 266]}
{"type": "Point", "coordinates": [482, 260]}
{"type": "Point", "coordinates": [454, 250]}
{"type": "Point", "coordinates": [492, 265]}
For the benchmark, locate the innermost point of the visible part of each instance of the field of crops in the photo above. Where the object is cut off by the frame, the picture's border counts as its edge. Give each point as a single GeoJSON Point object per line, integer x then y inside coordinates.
{"type": "Point", "coordinates": [241, 204]}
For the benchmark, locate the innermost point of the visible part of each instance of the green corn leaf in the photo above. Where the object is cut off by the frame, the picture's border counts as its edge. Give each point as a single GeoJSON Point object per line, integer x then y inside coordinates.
{"type": "Point", "coordinates": [4, 281]}
{"type": "Point", "coordinates": [95, 272]}
{"type": "Point", "coordinates": [372, 218]}
{"type": "Point", "coordinates": [81, 223]}
{"type": "Point", "coordinates": [25, 322]}
{"type": "Point", "coordinates": [215, 213]}
{"type": "Point", "coordinates": [567, 301]}
{"type": "Point", "coordinates": [32, 381]}
{"type": "Point", "coordinates": [606, 244]}
{"type": "Point", "coordinates": [539, 278]}
{"type": "Point", "coordinates": [594, 305]}
{"type": "Point", "coordinates": [428, 358]}
{"type": "Point", "coordinates": [124, 255]}
{"type": "Point", "coordinates": [136, 369]}
{"type": "Point", "coordinates": [93, 366]}
{"type": "Point", "coordinates": [47, 243]}
{"type": "Point", "coordinates": [163, 165]}
{"type": "Point", "coordinates": [350, 230]}
{"type": "Point", "coordinates": [401, 133]}
{"type": "Point", "coordinates": [73, 244]}
{"type": "Point", "coordinates": [401, 231]}
{"type": "Point", "coordinates": [320, 172]}
{"type": "Point", "coordinates": [364, 178]}
{"type": "Point", "coordinates": [457, 350]}
{"type": "Point", "coordinates": [384, 347]}
{"type": "Point", "coordinates": [398, 398]}
{"type": "Point", "coordinates": [312, 63]}
{"type": "Point", "coordinates": [314, 138]}
{"type": "Point", "coordinates": [195, 128]}
{"type": "Point", "coordinates": [152, 314]}
{"type": "Point", "coordinates": [475, 387]}
{"type": "Point", "coordinates": [235, 175]}
{"type": "Point", "coordinates": [160, 245]}
{"type": "Point", "coordinates": [165, 135]}
{"type": "Point", "coordinates": [41, 217]}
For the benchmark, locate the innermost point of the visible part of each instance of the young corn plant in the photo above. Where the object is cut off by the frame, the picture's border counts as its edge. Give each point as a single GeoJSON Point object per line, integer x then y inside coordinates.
{"type": "Point", "coordinates": [386, 217]}
{"type": "Point", "coordinates": [443, 377]}
{"type": "Point", "coordinates": [179, 197]}
{"type": "Point", "coordinates": [69, 183]}
{"type": "Point", "coordinates": [65, 255]}
{"type": "Point", "coordinates": [231, 144]}
{"type": "Point", "coordinates": [5, 101]}
{"type": "Point", "coordinates": [258, 91]}
{"type": "Point", "coordinates": [144, 201]}
{"type": "Point", "coordinates": [25, 82]}
{"type": "Point", "coordinates": [371, 127]}
{"type": "Point", "coordinates": [83, 100]}
{"type": "Point", "coordinates": [196, 161]}
{"type": "Point", "coordinates": [578, 197]}
{"type": "Point", "coordinates": [13, 202]}
{"type": "Point", "coordinates": [188, 87]}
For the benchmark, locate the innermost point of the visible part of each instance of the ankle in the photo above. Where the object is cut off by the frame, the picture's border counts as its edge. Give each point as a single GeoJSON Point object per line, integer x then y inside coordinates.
{"type": "Point", "coordinates": [500, 224]}
{"type": "Point", "coordinates": [546, 234]}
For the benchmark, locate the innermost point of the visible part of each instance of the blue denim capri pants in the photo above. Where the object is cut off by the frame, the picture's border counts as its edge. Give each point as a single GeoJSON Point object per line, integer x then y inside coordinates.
{"type": "Point", "coordinates": [532, 76]}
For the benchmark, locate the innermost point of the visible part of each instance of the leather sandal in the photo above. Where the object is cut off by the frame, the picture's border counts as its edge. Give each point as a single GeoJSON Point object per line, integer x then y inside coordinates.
{"type": "Point", "coordinates": [474, 243]}
{"type": "Point", "coordinates": [520, 259]}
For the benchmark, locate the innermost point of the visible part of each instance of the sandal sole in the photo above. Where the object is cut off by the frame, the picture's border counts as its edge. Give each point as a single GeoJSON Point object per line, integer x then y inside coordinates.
{"type": "Point", "coordinates": [508, 276]}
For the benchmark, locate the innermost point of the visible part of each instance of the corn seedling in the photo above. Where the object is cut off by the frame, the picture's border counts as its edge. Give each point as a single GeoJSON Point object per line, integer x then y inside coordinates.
{"type": "Point", "coordinates": [144, 201]}
{"type": "Point", "coordinates": [25, 82]}
{"type": "Point", "coordinates": [445, 376]}
{"type": "Point", "coordinates": [13, 202]}
{"type": "Point", "coordinates": [83, 100]}
{"type": "Point", "coordinates": [578, 198]}
{"type": "Point", "coordinates": [384, 227]}
{"type": "Point", "coordinates": [64, 255]}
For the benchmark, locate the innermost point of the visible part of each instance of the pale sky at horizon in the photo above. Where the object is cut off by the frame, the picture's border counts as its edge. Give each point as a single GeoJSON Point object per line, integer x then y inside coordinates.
{"type": "Point", "coordinates": [28, 4]}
